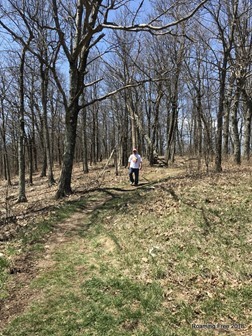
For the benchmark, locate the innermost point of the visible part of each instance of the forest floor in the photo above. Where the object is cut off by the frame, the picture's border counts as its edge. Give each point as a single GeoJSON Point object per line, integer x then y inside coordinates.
{"type": "Point", "coordinates": [169, 257]}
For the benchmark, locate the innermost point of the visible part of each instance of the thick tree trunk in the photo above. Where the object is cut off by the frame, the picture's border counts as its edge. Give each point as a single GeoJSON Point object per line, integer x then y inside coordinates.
{"type": "Point", "coordinates": [44, 164]}
{"type": "Point", "coordinates": [64, 188]}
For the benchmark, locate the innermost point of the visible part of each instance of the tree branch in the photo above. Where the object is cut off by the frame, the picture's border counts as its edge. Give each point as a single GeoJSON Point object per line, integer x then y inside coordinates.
{"type": "Point", "coordinates": [121, 89]}
{"type": "Point", "coordinates": [150, 28]}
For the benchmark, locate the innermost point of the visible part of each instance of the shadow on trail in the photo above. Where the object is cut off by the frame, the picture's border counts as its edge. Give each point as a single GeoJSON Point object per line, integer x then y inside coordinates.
{"type": "Point", "coordinates": [97, 203]}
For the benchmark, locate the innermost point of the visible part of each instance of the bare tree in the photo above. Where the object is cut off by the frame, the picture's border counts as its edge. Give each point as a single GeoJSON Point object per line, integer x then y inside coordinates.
{"type": "Point", "coordinates": [3, 131]}
{"type": "Point", "coordinates": [89, 22]}
{"type": "Point", "coordinates": [21, 142]}
{"type": "Point", "coordinates": [241, 71]}
{"type": "Point", "coordinates": [225, 24]}
{"type": "Point", "coordinates": [80, 27]}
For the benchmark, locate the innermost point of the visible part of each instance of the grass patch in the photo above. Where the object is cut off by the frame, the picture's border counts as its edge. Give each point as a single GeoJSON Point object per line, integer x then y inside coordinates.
{"type": "Point", "coordinates": [31, 239]}
{"type": "Point", "coordinates": [32, 236]}
{"type": "Point", "coordinates": [154, 261]}
{"type": "Point", "coordinates": [4, 264]}
{"type": "Point", "coordinates": [101, 306]}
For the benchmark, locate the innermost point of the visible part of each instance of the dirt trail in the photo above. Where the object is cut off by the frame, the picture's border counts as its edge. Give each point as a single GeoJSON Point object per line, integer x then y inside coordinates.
{"type": "Point", "coordinates": [27, 266]}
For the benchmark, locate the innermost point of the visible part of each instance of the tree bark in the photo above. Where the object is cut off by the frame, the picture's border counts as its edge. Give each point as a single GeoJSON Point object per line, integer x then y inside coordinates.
{"type": "Point", "coordinates": [152, 150]}
{"type": "Point", "coordinates": [44, 93]}
{"type": "Point", "coordinates": [64, 187]}
{"type": "Point", "coordinates": [234, 119]}
{"type": "Point", "coordinates": [172, 120]}
{"type": "Point", "coordinates": [6, 162]}
{"type": "Point", "coordinates": [220, 113]}
{"type": "Point", "coordinates": [84, 141]}
{"type": "Point", "coordinates": [30, 153]}
{"type": "Point", "coordinates": [247, 125]}
{"type": "Point", "coordinates": [226, 117]}
{"type": "Point", "coordinates": [21, 140]}
{"type": "Point", "coordinates": [227, 44]}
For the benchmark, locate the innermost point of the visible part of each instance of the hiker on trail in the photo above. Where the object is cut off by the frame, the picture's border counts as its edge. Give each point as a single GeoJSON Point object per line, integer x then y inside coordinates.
{"type": "Point", "coordinates": [134, 165]}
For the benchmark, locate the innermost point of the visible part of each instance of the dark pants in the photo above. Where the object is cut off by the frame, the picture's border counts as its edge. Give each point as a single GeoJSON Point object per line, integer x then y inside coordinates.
{"type": "Point", "coordinates": [135, 172]}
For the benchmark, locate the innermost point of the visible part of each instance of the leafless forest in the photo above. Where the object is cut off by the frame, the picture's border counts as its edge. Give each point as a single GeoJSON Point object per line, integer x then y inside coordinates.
{"type": "Point", "coordinates": [83, 80]}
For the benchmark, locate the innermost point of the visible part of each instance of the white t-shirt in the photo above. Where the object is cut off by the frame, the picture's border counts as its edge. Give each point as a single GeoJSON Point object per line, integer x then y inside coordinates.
{"type": "Point", "coordinates": [135, 160]}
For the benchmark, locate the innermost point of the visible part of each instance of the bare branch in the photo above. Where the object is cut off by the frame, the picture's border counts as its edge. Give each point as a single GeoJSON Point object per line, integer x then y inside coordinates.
{"type": "Point", "coordinates": [60, 32]}
{"type": "Point", "coordinates": [137, 11]}
{"type": "Point", "coordinates": [150, 28]}
{"type": "Point", "coordinates": [93, 83]}
{"type": "Point", "coordinates": [128, 86]}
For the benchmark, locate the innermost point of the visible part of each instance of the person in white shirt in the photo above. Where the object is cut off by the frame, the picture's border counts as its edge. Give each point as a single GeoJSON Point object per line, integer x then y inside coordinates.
{"type": "Point", "coordinates": [134, 165]}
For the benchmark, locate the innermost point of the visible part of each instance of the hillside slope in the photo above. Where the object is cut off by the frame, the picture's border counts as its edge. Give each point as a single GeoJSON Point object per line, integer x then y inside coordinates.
{"type": "Point", "coordinates": [170, 257]}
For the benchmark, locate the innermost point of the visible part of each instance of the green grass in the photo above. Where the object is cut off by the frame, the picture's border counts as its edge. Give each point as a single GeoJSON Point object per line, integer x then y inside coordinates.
{"type": "Point", "coordinates": [151, 262]}
{"type": "Point", "coordinates": [31, 239]}
{"type": "Point", "coordinates": [33, 234]}
{"type": "Point", "coordinates": [4, 264]}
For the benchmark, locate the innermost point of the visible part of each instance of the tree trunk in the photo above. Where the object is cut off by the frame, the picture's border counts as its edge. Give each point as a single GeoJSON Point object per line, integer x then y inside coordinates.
{"type": "Point", "coordinates": [124, 139]}
{"type": "Point", "coordinates": [30, 153]}
{"type": "Point", "coordinates": [132, 113]}
{"type": "Point", "coordinates": [46, 136]}
{"type": "Point", "coordinates": [218, 154]}
{"type": "Point", "coordinates": [234, 113]}
{"type": "Point", "coordinates": [247, 126]}
{"type": "Point", "coordinates": [227, 43]}
{"type": "Point", "coordinates": [226, 132]}
{"type": "Point", "coordinates": [199, 127]}
{"type": "Point", "coordinates": [33, 133]}
{"type": "Point", "coordinates": [140, 127]}
{"type": "Point", "coordinates": [64, 188]}
{"type": "Point", "coordinates": [21, 140]}
{"type": "Point", "coordinates": [94, 140]}
{"type": "Point", "coordinates": [43, 154]}
{"type": "Point", "coordinates": [152, 151]}
{"type": "Point", "coordinates": [84, 141]}
{"type": "Point", "coordinates": [6, 162]}
{"type": "Point", "coordinates": [226, 121]}
{"type": "Point", "coordinates": [172, 120]}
